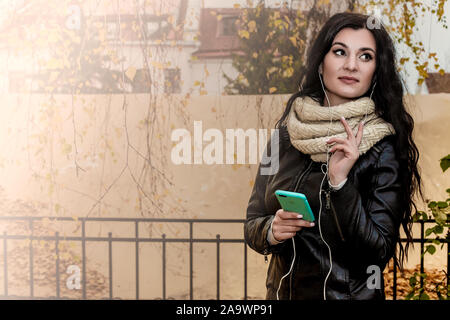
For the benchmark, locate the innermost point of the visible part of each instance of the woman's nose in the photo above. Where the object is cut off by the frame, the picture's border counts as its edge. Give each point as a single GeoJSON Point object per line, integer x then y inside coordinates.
{"type": "Point", "coordinates": [350, 63]}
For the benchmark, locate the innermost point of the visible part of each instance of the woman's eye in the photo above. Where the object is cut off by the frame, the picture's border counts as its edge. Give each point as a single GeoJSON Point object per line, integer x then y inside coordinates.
{"type": "Point", "coordinates": [366, 57]}
{"type": "Point", "coordinates": [339, 52]}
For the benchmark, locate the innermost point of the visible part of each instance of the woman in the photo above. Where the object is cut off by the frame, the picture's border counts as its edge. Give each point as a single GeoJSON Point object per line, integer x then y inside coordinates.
{"type": "Point", "coordinates": [346, 143]}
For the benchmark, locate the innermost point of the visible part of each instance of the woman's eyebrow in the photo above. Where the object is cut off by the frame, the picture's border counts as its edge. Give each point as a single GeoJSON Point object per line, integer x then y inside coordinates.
{"type": "Point", "coordinates": [345, 46]}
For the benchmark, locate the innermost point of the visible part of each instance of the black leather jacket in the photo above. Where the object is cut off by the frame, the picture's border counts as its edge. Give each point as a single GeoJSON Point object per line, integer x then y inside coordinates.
{"type": "Point", "coordinates": [360, 223]}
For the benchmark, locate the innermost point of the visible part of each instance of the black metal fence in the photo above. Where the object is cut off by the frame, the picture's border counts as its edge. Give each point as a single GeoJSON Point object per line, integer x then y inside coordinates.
{"type": "Point", "coordinates": [137, 239]}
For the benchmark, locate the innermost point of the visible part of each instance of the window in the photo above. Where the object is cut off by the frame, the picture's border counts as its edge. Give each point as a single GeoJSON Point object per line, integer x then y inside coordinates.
{"type": "Point", "coordinates": [172, 79]}
{"type": "Point", "coordinates": [111, 31]}
{"type": "Point", "coordinates": [227, 26]}
{"type": "Point", "coordinates": [141, 81]}
{"type": "Point", "coordinates": [152, 27]}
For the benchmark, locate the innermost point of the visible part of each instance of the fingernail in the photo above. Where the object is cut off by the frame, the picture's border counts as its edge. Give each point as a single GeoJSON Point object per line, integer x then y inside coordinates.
{"type": "Point", "coordinates": [300, 216]}
{"type": "Point", "coordinates": [312, 224]}
{"type": "Point", "coordinates": [342, 118]}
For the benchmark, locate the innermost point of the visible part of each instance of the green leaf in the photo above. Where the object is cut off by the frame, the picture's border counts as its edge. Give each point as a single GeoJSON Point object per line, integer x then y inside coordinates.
{"type": "Point", "coordinates": [412, 281]}
{"type": "Point", "coordinates": [409, 295]}
{"type": "Point", "coordinates": [416, 216]}
{"type": "Point", "coordinates": [432, 204]}
{"type": "Point", "coordinates": [442, 204]}
{"type": "Point", "coordinates": [438, 229]}
{"type": "Point", "coordinates": [424, 296]}
{"type": "Point", "coordinates": [429, 231]}
{"type": "Point", "coordinates": [445, 162]}
{"type": "Point", "coordinates": [431, 249]}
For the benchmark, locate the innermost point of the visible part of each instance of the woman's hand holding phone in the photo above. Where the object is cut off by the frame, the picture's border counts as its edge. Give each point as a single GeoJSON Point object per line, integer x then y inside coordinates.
{"type": "Point", "coordinates": [286, 224]}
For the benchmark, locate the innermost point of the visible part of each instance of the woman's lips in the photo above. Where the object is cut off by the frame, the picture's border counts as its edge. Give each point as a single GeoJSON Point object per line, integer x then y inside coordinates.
{"type": "Point", "coordinates": [348, 80]}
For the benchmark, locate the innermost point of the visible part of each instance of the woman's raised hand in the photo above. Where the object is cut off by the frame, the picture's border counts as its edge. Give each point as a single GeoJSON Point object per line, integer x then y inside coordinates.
{"type": "Point", "coordinates": [344, 153]}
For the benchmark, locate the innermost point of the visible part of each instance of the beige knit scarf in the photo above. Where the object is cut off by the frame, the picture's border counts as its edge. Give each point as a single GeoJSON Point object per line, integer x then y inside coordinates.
{"type": "Point", "coordinates": [308, 124]}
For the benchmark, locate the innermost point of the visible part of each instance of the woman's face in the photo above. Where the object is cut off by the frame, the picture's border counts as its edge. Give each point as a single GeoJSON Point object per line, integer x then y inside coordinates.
{"type": "Point", "coordinates": [349, 66]}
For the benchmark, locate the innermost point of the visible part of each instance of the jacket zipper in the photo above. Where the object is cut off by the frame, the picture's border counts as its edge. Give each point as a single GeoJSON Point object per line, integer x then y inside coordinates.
{"type": "Point", "coordinates": [329, 205]}
{"type": "Point", "coordinates": [295, 190]}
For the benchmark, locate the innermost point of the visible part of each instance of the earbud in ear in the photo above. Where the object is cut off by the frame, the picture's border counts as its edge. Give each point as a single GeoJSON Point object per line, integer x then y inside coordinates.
{"type": "Point", "coordinates": [320, 69]}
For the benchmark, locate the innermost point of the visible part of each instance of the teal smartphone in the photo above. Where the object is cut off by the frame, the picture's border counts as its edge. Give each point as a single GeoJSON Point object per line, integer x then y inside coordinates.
{"type": "Point", "coordinates": [295, 202]}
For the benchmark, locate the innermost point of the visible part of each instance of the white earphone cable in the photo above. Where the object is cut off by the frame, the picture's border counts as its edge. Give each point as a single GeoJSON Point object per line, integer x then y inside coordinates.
{"type": "Point", "coordinates": [320, 194]}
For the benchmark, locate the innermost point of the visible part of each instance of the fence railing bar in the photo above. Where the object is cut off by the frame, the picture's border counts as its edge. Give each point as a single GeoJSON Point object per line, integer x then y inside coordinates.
{"type": "Point", "coordinates": [394, 289]}
{"type": "Point", "coordinates": [83, 253]}
{"type": "Point", "coordinates": [448, 263]}
{"type": "Point", "coordinates": [110, 265]}
{"type": "Point", "coordinates": [164, 266]}
{"type": "Point", "coordinates": [5, 264]}
{"type": "Point", "coordinates": [119, 239]}
{"type": "Point", "coordinates": [57, 264]}
{"type": "Point", "coordinates": [422, 245]}
{"type": "Point", "coordinates": [178, 220]}
{"type": "Point", "coordinates": [218, 266]}
{"type": "Point", "coordinates": [245, 271]}
{"type": "Point", "coordinates": [191, 261]}
{"type": "Point", "coordinates": [136, 231]}
{"type": "Point", "coordinates": [31, 261]}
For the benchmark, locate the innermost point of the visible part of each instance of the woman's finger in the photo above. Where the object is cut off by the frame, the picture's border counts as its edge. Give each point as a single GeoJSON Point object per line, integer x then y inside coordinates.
{"type": "Point", "coordinates": [283, 236]}
{"type": "Point", "coordinates": [337, 140]}
{"type": "Point", "coordinates": [293, 223]}
{"type": "Point", "coordinates": [340, 147]}
{"type": "Point", "coordinates": [284, 229]}
{"type": "Point", "coordinates": [347, 129]}
{"type": "Point", "coordinates": [359, 135]}
{"type": "Point", "coordinates": [288, 215]}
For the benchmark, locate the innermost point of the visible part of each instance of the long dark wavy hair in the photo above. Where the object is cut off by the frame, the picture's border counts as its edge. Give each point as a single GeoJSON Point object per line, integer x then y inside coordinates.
{"type": "Point", "coordinates": [388, 98]}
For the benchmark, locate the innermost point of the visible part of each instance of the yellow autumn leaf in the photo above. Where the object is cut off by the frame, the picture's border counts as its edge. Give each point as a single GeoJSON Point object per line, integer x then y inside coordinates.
{"type": "Point", "coordinates": [55, 64]}
{"type": "Point", "coordinates": [244, 34]}
{"type": "Point", "coordinates": [130, 73]}
{"type": "Point", "coordinates": [288, 72]}
{"type": "Point", "coordinates": [251, 26]}
{"type": "Point", "coordinates": [67, 148]}
{"type": "Point", "coordinates": [236, 166]}
{"type": "Point", "coordinates": [255, 55]}
{"type": "Point", "coordinates": [236, 5]}
{"type": "Point", "coordinates": [272, 90]}
{"type": "Point", "coordinates": [293, 40]}
{"type": "Point", "coordinates": [53, 76]}
{"type": "Point", "coordinates": [53, 37]}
